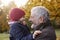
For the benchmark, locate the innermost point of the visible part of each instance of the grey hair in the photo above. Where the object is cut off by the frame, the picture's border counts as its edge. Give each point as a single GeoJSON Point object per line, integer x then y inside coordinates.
{"type": "Point", "coordinates": [39, 11]}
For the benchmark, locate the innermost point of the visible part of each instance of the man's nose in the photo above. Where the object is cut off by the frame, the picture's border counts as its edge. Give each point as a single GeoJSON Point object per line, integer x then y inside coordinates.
{"type": "Point", "coordinates": [29, 20]}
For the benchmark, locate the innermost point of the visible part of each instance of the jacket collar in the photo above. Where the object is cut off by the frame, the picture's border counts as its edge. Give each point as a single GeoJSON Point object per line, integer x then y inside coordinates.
{"type": "Point", "coordinates": [42, 26]}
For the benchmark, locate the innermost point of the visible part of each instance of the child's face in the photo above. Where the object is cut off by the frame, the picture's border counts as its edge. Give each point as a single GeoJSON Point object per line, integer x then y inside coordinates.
{"type": "Point", "coordinates": [22, 20]}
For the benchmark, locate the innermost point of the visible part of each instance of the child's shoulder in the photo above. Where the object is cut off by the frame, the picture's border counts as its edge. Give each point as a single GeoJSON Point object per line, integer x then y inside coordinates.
{"type": "Point", "coordinates": [17, 25]}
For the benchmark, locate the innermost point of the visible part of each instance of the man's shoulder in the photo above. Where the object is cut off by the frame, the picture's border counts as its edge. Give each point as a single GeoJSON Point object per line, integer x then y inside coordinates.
{"type": "Point", "coordinates": [49, 30]}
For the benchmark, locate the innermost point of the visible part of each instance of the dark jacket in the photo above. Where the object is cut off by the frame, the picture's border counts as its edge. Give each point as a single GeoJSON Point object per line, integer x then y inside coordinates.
{"type": "Point", "coordinates": [20, 32]}
{"type": "Point", "coordinates": [48, 32]}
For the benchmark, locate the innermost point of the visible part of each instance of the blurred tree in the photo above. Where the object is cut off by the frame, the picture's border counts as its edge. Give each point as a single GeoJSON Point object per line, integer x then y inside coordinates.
{"type": "Point", "coordinates": [4, 11]}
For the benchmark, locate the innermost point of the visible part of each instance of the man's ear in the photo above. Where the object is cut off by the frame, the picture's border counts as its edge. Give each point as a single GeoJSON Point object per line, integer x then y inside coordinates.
{"type": "Point", "coordinates": [41, 19]}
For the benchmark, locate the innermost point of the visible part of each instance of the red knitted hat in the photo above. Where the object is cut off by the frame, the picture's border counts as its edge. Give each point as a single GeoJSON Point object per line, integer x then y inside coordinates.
{"type": "Point", "coordinates": [16, 14]}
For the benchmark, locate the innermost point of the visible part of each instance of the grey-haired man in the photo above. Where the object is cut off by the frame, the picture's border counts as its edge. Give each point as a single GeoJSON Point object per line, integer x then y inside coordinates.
{"type": "Point", "coordinates": [41, 21]}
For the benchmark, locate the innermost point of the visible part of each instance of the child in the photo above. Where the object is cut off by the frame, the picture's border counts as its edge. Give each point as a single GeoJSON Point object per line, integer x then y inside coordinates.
{"type": "Point", "coordinates": [17, 30]}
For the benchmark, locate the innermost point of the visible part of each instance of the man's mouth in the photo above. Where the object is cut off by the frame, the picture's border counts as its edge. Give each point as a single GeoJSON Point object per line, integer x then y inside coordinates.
{"type": "Point", "coordinates": [31, 22]}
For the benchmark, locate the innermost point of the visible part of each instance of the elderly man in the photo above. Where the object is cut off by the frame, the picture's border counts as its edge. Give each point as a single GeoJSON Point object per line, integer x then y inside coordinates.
{"type": "Point", "coordinates": [40, 21]}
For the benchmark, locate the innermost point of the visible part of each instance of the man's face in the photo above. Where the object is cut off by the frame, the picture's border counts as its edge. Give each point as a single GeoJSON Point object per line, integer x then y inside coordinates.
{"type": "Point", "coordinates": [34, 20]}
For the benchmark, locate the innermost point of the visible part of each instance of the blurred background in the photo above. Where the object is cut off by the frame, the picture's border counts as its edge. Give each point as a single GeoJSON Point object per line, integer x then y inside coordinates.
{"type": "Point", "coordinates": [26, 5]}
